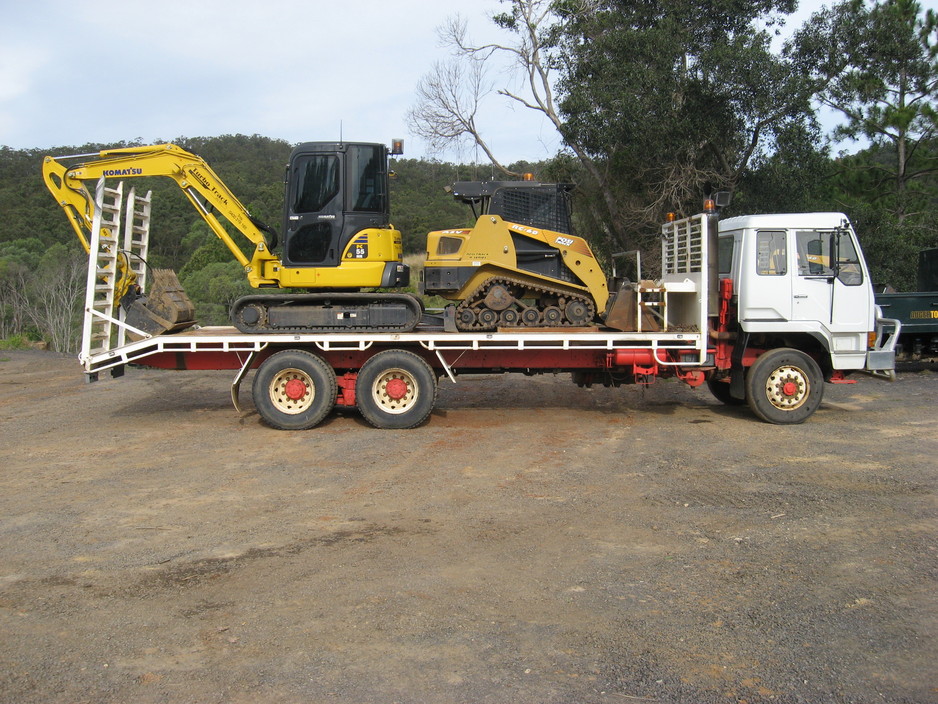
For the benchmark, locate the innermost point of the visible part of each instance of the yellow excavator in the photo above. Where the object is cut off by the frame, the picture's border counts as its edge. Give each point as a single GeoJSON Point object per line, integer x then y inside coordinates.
{"type": "Point", "coordinates": [520, 265]}
{"type": "Point", "coordinates": [338, 238]}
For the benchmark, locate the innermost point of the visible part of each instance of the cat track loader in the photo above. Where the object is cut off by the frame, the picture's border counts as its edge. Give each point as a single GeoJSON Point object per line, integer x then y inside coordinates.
{"type": "Point", "coordinates": [520, 265]}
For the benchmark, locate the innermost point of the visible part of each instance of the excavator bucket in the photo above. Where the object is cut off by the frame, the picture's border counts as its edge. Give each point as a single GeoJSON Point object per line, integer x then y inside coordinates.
{"type": "Point", "coordinates": [627, 314]}
{"type": "Point", "coordinates": [165, 308]}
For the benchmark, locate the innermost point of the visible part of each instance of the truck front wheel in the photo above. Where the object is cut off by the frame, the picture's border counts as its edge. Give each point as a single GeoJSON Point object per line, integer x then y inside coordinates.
{"type": "Point", "coordinates": [395, 389]}
{"type": "Point", "coordinates": [294, 390]}
{"type": "Point", "coordinates": [784, 387]}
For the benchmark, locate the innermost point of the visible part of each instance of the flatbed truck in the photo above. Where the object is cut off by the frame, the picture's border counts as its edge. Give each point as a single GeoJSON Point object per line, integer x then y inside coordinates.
{"type": "Point", "coordinates": [764, 310]}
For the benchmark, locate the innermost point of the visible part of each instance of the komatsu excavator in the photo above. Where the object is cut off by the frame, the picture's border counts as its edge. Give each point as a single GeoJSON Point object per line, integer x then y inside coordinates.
{"type": "Point", "coordinates": [520, 265]}
{"type": "Point", "coordinates": [337, 238]}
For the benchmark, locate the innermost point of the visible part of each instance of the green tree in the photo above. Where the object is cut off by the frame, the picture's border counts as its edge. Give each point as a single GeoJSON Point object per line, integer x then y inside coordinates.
{"type": "Point", "coordinates": [877, 65]}
{"type": "Point", "coordinates": [675, 99]}
{"type": "Point", "coordinates": [657, 102]}
{"type": "Point", "coordinates": [797, 176]}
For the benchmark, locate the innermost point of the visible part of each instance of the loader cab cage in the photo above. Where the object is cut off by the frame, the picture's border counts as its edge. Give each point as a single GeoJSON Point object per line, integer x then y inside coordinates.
{"type": "Point", "coordinates": [538, 205]}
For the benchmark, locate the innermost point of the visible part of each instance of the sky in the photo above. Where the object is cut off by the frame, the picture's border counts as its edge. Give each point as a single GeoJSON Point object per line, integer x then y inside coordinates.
{"type": "Point", "coordinates": [299, 70]}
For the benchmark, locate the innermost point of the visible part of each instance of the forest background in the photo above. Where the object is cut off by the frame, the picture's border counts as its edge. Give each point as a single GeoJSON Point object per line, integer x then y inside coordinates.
{"type": "Point", "coordinates": [657, 106]}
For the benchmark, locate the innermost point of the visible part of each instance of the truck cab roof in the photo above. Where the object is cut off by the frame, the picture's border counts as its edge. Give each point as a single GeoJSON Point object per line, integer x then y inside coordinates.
{"type": "Point", "coordinates": [784, 221]}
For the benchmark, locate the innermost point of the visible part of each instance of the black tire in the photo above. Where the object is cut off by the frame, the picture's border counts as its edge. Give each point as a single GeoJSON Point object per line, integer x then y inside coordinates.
{"type": "Point", "coordinates": [395, 390]}
{"type": "Point", "coordinates": [294, 390]}
{"type": "Point", "coordinates": [721, 392]}
{"type": "Point", "coordinates": [784, 387]}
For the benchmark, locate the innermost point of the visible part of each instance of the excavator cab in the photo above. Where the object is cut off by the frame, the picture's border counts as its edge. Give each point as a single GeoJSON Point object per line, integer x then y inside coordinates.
{"type": "Point", "coordinates": [338, 216]}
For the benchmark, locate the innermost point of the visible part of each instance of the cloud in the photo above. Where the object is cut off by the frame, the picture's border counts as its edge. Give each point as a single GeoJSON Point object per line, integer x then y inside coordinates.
{"type": "Point", "coordinates": [119, 70]}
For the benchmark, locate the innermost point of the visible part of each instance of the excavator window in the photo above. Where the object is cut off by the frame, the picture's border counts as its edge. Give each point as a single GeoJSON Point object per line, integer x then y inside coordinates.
{"type": "Point", "coordinates": [311, 243]}
{"type": "Point", "coordinates": [317, 182]}
{"type": "Point", "coordinates": [366, 179]}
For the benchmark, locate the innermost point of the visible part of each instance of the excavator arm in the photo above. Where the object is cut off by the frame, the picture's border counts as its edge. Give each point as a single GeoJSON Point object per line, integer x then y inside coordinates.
{"type": "Point", "coordinates": [201, 185]}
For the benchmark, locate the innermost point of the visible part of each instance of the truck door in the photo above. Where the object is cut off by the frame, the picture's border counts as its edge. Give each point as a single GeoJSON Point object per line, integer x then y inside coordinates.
{"type": "Point", "coordinates": [828, 284]}
{"type": "Point", "coordinates": [765, 289]}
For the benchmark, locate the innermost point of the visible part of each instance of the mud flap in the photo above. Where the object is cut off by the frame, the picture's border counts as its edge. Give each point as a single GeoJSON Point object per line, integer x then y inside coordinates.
{"type": "Point", "coordinates": [737, 370]}
{"type": "Point", "coordinates": [166, 308]}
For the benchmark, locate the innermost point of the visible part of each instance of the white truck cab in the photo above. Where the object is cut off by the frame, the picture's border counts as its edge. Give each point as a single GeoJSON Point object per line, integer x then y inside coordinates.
{"type": "Point", "coordinates": [802, 273]}
{"type": "Point", "coordinates": [799, 283]}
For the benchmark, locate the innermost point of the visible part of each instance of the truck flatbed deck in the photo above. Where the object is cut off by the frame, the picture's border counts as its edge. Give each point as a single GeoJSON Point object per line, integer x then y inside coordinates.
{"type": "Point", "coordinates": [224, 347]}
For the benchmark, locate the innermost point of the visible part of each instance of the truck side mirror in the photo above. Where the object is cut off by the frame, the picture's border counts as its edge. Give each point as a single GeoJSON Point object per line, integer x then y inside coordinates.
{"type": "Point", "coordinates": [722, 198]}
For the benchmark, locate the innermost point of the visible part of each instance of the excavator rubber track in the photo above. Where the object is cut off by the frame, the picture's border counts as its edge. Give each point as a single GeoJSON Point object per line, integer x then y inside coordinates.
{"type": "Point", "coordinates": [500, 302]}
{"type": "Point", "coordinates": [327, 312]}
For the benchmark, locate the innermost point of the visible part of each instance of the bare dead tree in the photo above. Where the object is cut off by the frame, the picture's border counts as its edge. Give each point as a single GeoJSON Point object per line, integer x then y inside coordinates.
{"type": "Point", "coordinates": [56, 295]}
{"type": "Point", "coordinates": [448, 100]}
{"type": "Point", "coordinates": [449, 97]}
{"type": "Point", "coordinates": [14, 278]}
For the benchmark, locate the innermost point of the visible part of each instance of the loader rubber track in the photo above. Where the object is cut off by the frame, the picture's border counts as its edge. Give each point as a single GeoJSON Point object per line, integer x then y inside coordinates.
{"type": "Point", "coordinates": [556, 306]}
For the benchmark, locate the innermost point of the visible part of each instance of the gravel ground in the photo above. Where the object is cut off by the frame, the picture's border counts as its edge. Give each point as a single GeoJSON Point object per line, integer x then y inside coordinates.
{"type": "Point", "coordinates": [533, 542]}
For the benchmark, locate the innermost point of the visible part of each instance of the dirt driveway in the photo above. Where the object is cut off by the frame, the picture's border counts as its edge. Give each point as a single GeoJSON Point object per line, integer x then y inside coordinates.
{"type": "Point", "coordinates": [533, 542]}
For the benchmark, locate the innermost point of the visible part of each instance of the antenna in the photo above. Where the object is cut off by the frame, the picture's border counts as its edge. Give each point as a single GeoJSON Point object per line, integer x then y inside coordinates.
{"type": "Point", "coordinates": [340, 132]}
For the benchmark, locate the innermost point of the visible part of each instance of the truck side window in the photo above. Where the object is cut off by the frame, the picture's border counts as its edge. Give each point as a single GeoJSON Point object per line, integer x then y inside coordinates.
{"type": "Point", "coordinates": [771, 253]}
{"type": "Point", "coordinates": [849, 270]}
{"type": "Point", "coordinates": [725, 254]}
{"type": "Point", "coordinates": [830, 253]}
{"type": "Point", "coordinates": [814, 253]}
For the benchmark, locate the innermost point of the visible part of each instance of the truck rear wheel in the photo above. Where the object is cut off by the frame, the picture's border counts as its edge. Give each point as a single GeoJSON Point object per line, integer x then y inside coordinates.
{"type": "Point", "coordinates": [784, 387]}
{"type": "Point", "coordinates": [294, 390]}
{"type": "Point", "coordinates": [396, 390]}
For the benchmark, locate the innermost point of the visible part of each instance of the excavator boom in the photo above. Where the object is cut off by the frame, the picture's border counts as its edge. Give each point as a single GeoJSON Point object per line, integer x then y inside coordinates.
{"type": "Point", "coordinates": [201, 185]}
